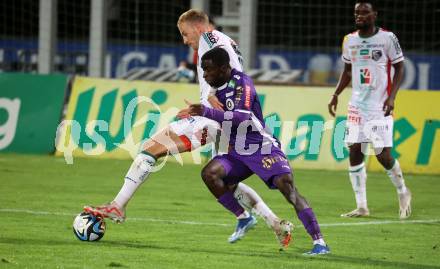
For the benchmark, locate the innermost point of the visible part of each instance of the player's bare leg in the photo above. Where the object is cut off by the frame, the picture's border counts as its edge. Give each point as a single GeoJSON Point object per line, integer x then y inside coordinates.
{"type": "Point", "coordinates": [250, 200]}
{"type": "Point", "coordinates": [162, 143]}
{"type": "Point", "coordinates": [394, 172]}
{"type": "Point", "coordinates": [358, 179]}
{"type": "Point", "coordinates": [212, 175]}
{"type": "Point", "coordinates": [285, 184]}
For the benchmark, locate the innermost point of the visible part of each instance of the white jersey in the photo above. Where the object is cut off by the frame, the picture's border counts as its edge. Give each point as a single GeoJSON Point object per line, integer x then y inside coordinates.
{"type": "Point", "coordinates": [371, 59]}
{"type": "Point", "coordinates": [208, 41]}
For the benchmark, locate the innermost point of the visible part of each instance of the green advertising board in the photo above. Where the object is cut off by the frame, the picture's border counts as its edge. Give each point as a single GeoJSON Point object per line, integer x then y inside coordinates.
{"type": "Point", "coordinates": [30, 110]}
{"type": "Point", "coordinates": [101, 122]}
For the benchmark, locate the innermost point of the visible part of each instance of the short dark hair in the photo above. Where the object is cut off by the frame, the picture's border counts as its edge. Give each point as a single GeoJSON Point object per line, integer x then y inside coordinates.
{"type": "Point", "coordinates": [217, 55]}
{"type": "Point", "coordinates": [371, 2]}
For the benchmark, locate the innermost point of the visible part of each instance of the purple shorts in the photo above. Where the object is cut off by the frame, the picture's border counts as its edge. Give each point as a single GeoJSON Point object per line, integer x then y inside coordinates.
{"type": "Point", "coordinates": [267, 167]}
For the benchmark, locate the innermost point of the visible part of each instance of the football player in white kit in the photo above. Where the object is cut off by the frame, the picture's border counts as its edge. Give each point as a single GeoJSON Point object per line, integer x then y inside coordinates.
{"type": "Point", "coordinates": [198, 34]}
{"type": "Point", "coordinates": [368, 54]}
{"type": "Point", "coordinates": [191, 133]}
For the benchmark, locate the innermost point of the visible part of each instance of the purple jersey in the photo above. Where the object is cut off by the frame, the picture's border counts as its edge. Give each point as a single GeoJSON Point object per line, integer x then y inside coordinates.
{"type": "Point", "coordinates": [252, 149]}
{"type": "Point", "coordinates": [243, 109]}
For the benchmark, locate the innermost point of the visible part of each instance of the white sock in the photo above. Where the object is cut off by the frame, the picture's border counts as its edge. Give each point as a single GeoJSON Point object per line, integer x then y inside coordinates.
{"type": "Point", "coordinates": [358, 179]}
{"type": "Point", "coordinates": [250, 200]}
{"type": "Point", "coordinates": [136, 175]}
{"type": "Point", "coordinates": [244, 215]}
{"type": "Point", "coordinates": [319, 241]}
{"type": "Point", "coordinates": [396, 177]}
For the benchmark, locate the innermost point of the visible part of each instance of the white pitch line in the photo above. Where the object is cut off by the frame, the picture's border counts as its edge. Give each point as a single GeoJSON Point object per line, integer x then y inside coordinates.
{"type": "Point", "coordinates": [42, 213]}
{"type": "Point", "coordinates": [381, 222]}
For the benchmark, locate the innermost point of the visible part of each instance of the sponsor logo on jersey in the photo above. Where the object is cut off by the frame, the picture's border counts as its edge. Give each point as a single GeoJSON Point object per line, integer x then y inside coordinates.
{"type": "Point", "coordinates": [353, 119]}
{"type": "Point", "coordinates": [364, 52]}
{"type": "Point", "coordinates": [229, 104]}
{"type": "Point", "coordinates": [238, 94]}
{"type": "Point", "coordinates": [379, 128]}
{"type": "Point", "coordinates": [365, 76]}
{"type": "Point", "coordinates": [231, 84]}
{"type": "Point", "coordinates": [375, 46]}
{"type": "Point", "coordinates": [247, 100]}
{"type": "Point", "coordinates": [355, 46]}
{"type": "Point", "coordinates": [229, 94]}
{"type": "Point", "coordinates": [353, 116]}
{"type": "Point", "coordinates": [376, 54]}
{"type": "Point", "coordinates": [210, 39]}
{"type": "Point", "coordinates": [237, 77]}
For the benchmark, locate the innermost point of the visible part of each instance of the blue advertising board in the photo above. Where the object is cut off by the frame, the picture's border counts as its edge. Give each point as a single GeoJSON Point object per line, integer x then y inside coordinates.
{"type": "Point", "coordinates": [421, 70]}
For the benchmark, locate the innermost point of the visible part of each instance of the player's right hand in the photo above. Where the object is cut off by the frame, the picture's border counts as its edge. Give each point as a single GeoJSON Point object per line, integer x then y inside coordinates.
{"type": "Point", "coordinates": [333, 105]}
{"type": "Point", "coordinates": [215, 103]}
{"type": "Point", "coordinates": [185, 112]}
{"type": "Point", "coordinates": [195, 109]}
{"type": "Point", "coordinates": [191, 110]}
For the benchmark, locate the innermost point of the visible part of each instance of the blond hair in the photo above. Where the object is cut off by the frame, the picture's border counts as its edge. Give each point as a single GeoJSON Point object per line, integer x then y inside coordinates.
{"type": "Point", "coordinates": [193, 16]}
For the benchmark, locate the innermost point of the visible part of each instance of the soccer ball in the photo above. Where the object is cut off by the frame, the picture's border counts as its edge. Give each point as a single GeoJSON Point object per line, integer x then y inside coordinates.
{"type": "Point", "coordinates": [88, 227]}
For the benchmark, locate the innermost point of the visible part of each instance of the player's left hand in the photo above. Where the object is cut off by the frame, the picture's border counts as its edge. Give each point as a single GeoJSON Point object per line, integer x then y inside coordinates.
{"type": "Point", "coordinates": [215, 103]}
{"type": "Point", "coordinates": [388, 106]}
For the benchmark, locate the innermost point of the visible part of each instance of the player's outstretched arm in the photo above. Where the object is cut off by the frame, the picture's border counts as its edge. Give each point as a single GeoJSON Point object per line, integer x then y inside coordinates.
{"type": "Point", "coordinates": [236, 117]}
{"type": "Point", "coordinates": [189, 111]}
{"type": "Point", "coordinates": [343, 82]}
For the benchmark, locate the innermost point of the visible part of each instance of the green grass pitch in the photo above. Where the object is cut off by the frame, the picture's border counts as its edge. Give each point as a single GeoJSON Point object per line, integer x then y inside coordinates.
{"type": "Point", "coordinates": [174, 222]}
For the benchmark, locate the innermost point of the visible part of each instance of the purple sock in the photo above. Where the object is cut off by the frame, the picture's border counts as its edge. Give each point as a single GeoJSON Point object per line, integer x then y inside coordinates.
{"type": "Point", "coordinates": [230, 203]}
{"type": "Point", "coordinates": [309, 221]}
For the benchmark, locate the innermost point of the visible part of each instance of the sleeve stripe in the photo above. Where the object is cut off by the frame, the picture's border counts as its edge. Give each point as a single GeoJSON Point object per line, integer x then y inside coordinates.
{"type": "Point", "coordinates": [397, 59]}
{"type": "Point", "coordinates": [210, 44]}
{"type": "Point", "coordinates": [348, 60]}
{"type": "Point", "coordinates": [243, 111]}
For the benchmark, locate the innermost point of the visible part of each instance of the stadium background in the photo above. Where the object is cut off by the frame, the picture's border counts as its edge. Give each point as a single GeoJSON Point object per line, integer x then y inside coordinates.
{"type": "Point", "coordinates": [85, 60]}
{"type": "Point", "coordinates": [290, 43]}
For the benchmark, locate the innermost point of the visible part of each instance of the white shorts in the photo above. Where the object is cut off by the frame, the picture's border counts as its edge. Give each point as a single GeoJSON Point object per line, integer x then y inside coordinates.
{"type": "Point", "coordinates": [369, 127]}
{"type": "Point", "coordinates": [196, 131]}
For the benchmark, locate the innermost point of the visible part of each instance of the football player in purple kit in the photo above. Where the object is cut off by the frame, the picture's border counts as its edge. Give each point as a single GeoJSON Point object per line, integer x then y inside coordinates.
{"type": "Point", "coordinates": [188, 134]}
{"type": "Point", "coordinates": [250, 148]}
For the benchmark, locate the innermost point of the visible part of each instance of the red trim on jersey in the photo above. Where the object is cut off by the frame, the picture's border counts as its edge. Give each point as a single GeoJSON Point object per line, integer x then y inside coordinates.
{"type": "Point", "coordinates": [195, 57]}
{"type": "Point", "coordinates": [185, 141]}
{"type": "Point", "coordinates": [204, 136]}
{"type": "Point", "coordinates": [389, 77]}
